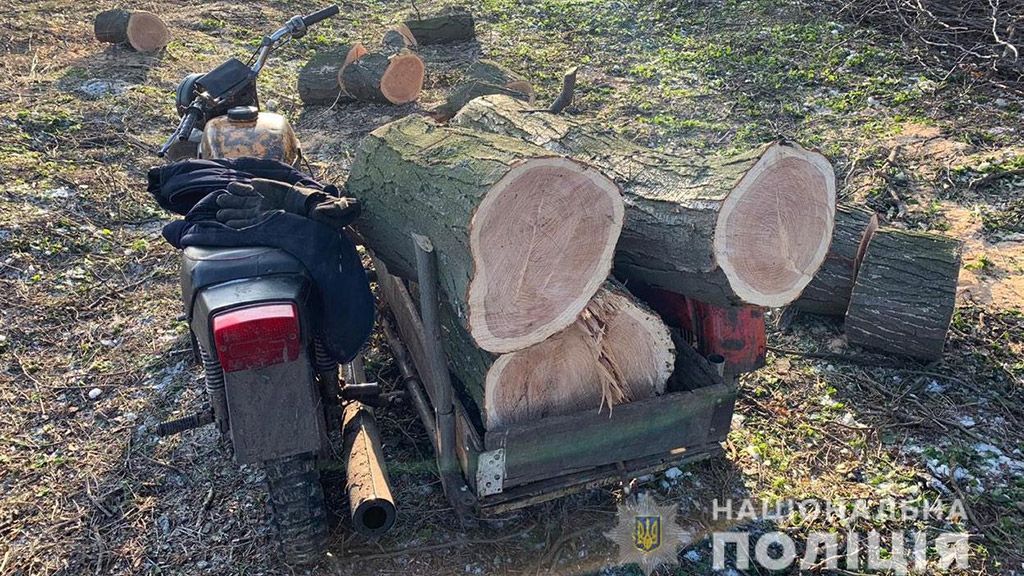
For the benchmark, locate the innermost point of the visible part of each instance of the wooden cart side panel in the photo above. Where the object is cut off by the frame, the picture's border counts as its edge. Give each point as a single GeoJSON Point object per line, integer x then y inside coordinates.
{"type": "Point", "coordinates": [566, 444]}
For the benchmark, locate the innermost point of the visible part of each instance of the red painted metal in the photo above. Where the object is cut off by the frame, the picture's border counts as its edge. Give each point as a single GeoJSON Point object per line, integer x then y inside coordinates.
{"type": "Point", "coordinates": [737, 333]}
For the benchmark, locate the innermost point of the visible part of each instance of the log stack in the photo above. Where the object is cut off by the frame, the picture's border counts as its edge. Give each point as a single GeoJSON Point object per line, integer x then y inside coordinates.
{"type": "Point", "coordinates": [526, 237]}
{"type": "Point", "coordinates": [143, 31]}
{"type": "Point", "coordinates": [750, 229]}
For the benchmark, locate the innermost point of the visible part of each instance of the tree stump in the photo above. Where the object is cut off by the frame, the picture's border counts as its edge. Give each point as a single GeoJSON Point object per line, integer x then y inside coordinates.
{"type": "Point", "coordinates": [143, 31]}
{"type": "Point", "coordinates": [745, 229]}
{"type": "Point", "coordinates": [829, 292]}
{"type": "Point", "coordinates": [903, 298]}
{"type": "Point", "coordinates": [524, 239]}
{"type": "Point", "coordinates": [377, 77]}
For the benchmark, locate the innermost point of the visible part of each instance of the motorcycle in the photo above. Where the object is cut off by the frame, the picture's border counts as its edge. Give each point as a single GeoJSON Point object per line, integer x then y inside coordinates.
{"type": "Point", "coordinates": [273, 389]}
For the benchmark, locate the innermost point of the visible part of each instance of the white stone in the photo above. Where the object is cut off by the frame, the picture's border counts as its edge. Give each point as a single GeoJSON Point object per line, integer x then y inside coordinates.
{"type": "Point", "coordinates": [95, 393]}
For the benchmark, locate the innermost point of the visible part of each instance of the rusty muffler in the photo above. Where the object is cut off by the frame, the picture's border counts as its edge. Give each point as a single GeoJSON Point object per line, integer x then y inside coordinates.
{"type": "Point", "coordinates": [369, 490]}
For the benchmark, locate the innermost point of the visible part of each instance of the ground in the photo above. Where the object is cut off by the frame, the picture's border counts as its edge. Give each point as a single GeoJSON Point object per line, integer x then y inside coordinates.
{"type": "Point", "coordinates": [93, 352]}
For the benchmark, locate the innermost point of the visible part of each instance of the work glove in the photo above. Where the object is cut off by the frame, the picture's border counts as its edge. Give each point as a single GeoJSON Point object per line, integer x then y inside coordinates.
{"type": "Point", "coordinates": [245, 204]}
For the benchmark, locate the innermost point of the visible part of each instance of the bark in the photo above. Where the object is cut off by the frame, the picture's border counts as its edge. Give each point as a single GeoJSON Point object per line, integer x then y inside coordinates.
{"type": "Point", "coordinates": [455, 26]}
{"type": "Point", "coordinates": [112, 26]}
{"type": "Point", "coordinates": [415, 176]}
{"type": "Point", "coordinates": [377, 77]}
{"type": "Point", "coordinates": [318, 79]}
{"type": "Point", "coordinates": [397, 39]}
{"type": "Point", "coordinates": [903, 298]}
{"type": "Point", "coordinates": [484, 78]}
{"type": "Point", "coordinates": [829, 292]}
{"type": "Point", "coordinates": [617, 351]}
{"type": "Point", "coordinates": [678, 207]}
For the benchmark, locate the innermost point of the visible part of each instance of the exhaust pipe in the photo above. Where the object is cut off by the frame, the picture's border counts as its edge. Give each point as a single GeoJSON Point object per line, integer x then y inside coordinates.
{"type": "Point", "coordinates": [369, 490]}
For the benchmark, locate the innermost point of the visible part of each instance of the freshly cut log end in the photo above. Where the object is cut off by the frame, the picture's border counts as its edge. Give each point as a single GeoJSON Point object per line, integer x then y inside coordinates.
{"type": "Point", "coordinates": [147, 32]}
{"type": "Point", "coordinates": [376, 77]}
{"type": "Point", "coordinates": [454, 26]}
{"type": "Point", "coordinates": [542, 240]}
{"type": "Point", "coordinates": [318, 79]}
{"type": "Point", "coordinates": [829, 292]}
{"type": "Point", "coordinates": [615, 352]}
{"type": "Point", "coordinates": [727, 230]}
{"type": "Point", "coordinates": [775, 227]}
{"type": "Point", "coordinates": [903, 299]}
{"type": "Point", "coordinates": [524, 239]}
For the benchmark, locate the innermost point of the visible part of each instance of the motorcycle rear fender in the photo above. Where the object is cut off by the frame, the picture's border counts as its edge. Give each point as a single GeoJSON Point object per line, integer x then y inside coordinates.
{"type": "Point", "coordinates": [273, 411]}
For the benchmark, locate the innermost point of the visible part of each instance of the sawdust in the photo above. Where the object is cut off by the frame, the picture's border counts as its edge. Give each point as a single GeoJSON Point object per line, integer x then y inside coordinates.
{"type": "Point", "coordinates": [993, 272]}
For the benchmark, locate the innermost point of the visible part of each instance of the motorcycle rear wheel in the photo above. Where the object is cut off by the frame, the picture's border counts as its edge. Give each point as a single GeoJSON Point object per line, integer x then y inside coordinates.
{"type": "Point", "coordinates": [297, 507]}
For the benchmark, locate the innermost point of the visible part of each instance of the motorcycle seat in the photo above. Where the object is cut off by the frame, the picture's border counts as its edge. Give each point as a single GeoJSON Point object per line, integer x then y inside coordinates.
{"type": "Point", "coordinates": [205, 266]}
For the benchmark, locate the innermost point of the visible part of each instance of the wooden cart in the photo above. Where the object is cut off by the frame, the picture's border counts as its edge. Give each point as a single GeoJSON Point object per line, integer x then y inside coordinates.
{"type": "Point", "coordinates": [491, 471]}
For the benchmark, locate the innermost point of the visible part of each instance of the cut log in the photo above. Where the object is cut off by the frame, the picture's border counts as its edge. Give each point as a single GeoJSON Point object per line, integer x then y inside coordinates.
{"type": "Point", "coordinates": [398, 38]}
{"type": "Point", "coordinates": [143, 31]}
{"type": "Point", "coordinates": [377, 77]}
{"type": "Point", "coordinates": [484, 78]}
{"type": "Point", "coordinates": [903, 298]}
{"type": "Point", "coordinates": [746, 229]}
{"type": "Point", "coordinates": [318, 79]}
{"type": "Point", "coordinates": [454, 26]}
{"type": "Point", "coordinates": [829, 292]}
{"type": "Point", "coordinates": [524, 239]}
{"type": "Point", "coordinates": [617, 351]}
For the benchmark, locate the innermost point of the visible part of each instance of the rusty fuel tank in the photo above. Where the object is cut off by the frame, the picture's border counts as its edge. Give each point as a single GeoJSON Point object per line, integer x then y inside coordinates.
{"type": "Point", "coordinates": [245, 131]}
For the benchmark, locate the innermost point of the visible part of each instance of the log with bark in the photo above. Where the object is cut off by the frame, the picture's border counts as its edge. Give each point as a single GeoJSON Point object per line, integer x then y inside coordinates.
{"type": "Point", "coordinates": [318, 79]}
{"type": "Point", "coordinates": [829, 292]}
{"type": "Point", "coordinates": [903, 298]}
{"type": "Point", "coordinates": [398, 38]}
{"type": "Point", "coordinates": [143, 31]}
{"type": "Point", "coordinates": [746, 229]}
{"type": "Point", "coordinates": [524, 238]}
{"type": "Point", "coordinates": [617, 351]}
{"type": "Point", "coordinates": [453, 26]}
{"type": "Point", "coordinates": [484, 78]}
{"type": "Point", "coordinates": [389, 79]}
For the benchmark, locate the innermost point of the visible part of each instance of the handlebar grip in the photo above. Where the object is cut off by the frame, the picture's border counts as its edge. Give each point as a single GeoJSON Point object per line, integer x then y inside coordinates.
{"type": "Point", "coordinates": [319, 15]}
{"type": "Point", "coordinates": [188, 123]}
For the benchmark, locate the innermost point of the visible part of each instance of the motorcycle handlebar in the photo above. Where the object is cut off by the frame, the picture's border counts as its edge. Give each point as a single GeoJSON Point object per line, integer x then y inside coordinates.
{"type": "Point", "coordinates": [319, 15]}
{"type": "Point", "coordinates": [188, 122]}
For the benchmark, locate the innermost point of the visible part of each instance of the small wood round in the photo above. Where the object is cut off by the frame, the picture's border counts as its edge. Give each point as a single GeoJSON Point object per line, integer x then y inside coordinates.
{"type": "Point", "coordinates": [402, 82]}
{"type": "Point", "coordinates": [775, 228]}
{"type": "Point", "coordinates": [147, 32]}
{"type": "Point", "coordinates": [903, 299]}
{"type": "Point", "coordinates": [398, 38]}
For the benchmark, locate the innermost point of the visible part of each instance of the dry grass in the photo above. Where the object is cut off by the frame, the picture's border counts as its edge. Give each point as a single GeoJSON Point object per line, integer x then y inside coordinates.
{"type": "Point", "coordinates": [88, 296]}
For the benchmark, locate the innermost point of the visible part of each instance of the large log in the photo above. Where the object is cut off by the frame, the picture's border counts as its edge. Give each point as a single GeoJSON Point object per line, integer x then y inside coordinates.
{"type": "Point", "coordinates": [617, 351]}
{"type": "Point", "coordinates": [143, 31]}
{"type": "Point", "coordinates": [745, 229]}
{"type": "Point", "coordinates": [398, 38]}
{"type": "Point", "coordinates": [829, 292]}
{"type": "Point", "coordinates": [378, 77]}
{"type": "Point", "coordinates": [453, 26]}
{"type": "Point", "coordinates": [903, 298]}
{"type": "Point", "coordinates": [524, 239]}
{"type": "Point", "coordinates": [318, 79]}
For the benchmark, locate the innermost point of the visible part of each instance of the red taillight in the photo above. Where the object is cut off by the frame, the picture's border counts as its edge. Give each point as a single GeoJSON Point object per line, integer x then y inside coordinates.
{"type": "Point", "coordinates": [257, 337]}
